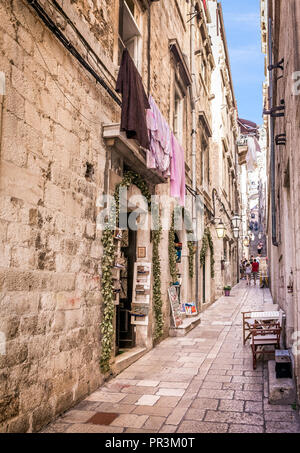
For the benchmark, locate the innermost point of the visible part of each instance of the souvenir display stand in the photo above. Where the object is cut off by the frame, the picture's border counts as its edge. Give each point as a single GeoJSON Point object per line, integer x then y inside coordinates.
{"type": "Point", "coordinates": [141, 294]}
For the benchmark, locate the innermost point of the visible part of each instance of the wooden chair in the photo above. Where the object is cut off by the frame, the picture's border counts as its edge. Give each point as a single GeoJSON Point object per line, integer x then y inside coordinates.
{"type": "Point", "coordinates": [264, 334]}
{"type": "Point", "coordinates": [247, 325]}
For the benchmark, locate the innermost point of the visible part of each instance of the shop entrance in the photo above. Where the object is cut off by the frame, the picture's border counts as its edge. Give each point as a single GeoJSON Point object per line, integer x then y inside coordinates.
{"type": "Point", "coordinates": [125, 334]}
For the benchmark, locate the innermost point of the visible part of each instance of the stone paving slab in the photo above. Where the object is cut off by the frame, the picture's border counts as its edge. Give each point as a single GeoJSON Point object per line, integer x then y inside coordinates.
{"type": "Point", "coordinates": [147, 400]}
{"type": "Point", "coordinates": [201, 383]}
{"type": "Point", "coordinates": [202, 427]}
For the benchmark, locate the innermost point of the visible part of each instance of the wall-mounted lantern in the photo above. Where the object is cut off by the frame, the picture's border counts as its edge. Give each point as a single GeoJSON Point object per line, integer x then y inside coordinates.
{"type": "Point", "coordinates": [246, 242]}
{"type": "Point", "coordinates": [221, 230]}
{"type": "Point", "coordinates": [236, 221]}
{"type": "Point", "coordinates": [236, 233]}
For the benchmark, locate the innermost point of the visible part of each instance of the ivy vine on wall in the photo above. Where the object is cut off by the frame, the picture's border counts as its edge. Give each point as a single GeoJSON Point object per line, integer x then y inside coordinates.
{"type": "Point", "coordinates": [108, 260]}
{"type": "Point", "coordinates": [172, 251]}
{"type": "Point", "coordinates": [157, 300]}
{"type": "Point", "coordinates": [192, 251]}
{"type": "Point", "coordinates": [208, 242]}
{"type": "Point", "coordinates": [191, 244]}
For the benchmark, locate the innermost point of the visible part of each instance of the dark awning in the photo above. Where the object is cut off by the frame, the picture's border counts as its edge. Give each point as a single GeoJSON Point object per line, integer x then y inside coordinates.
{"type": "Point", "coordinates": [248, 127]}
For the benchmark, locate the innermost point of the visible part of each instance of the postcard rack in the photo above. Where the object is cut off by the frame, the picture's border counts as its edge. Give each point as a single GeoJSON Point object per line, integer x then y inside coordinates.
{"type": "Point", "coordinates": [141, 294]}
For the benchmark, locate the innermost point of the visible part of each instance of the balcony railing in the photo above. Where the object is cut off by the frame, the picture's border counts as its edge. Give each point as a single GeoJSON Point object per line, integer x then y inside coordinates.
{"type": "Point", "coordinates": [242, 140]}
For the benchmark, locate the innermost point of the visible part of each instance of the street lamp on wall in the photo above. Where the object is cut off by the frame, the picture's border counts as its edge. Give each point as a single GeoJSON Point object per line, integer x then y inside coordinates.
{"type": "Point", "coordinates": [236, 221]}
{"type": "Point", "coordinates": [246, 241]}
{"type": "Point", "coordinates": [236, 233]}
{"type": "Point", "coordinates": [221, 230]}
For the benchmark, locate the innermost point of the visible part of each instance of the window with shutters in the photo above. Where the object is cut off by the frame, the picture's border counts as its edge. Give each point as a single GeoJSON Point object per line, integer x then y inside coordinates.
{"type": "Point", "coordinates": [130, 31]}
{"type": "Point", "coordinates": [178, 114]}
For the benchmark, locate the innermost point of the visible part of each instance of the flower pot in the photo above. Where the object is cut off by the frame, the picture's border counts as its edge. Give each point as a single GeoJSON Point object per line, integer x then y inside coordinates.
{"type": "Point", "coordinates": [227, 292]}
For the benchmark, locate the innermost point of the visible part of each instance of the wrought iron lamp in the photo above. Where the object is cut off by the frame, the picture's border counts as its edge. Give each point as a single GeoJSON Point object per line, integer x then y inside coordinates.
{"type": "Point", "coordinates": [246, 242]}
{"type": "Point", "coordinates": [236, 222]}
{"type": "Point", "coordinates": [221, 230]}
{"type": "Point", "coordinates": [236, 233]}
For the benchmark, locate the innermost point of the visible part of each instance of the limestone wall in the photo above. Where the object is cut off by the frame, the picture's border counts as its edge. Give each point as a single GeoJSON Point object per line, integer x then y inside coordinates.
{"type": "Point", "coordinates": [50, 249]}
{"type": "Point", "coordinates": [53, 166]}
{"type": "Point", "coordinates": [284, 259]}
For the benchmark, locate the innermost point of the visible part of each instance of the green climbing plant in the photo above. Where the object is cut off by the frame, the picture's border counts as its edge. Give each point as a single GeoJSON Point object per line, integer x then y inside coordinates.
{"type": "Point", "coordinates": [191, 247]}
{"type": "Point", "coordinates": [157, 299]}
{"type": "Point", "coordinates": [208, 242]}
{"type": "Point", "coordinates": [172, 251]}
{"type": "Point", "coordinates": [108, 259]}
{"type": "Point", "coordinates": [191, 244]}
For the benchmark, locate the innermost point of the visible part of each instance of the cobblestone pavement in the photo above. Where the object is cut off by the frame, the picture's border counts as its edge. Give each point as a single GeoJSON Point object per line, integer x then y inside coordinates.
{"type": "Point", "coordinates": [202, 383]}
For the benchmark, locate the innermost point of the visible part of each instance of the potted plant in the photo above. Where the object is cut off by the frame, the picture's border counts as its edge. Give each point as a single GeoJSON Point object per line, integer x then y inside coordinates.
{"type": "Point", "coordinates": [227, 290]}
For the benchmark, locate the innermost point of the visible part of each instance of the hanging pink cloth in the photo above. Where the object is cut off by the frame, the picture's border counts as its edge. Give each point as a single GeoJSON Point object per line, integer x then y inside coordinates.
{"type": "Point", "coordinates": [159, 155]}
{"type": "Point", "coordinates": [257, 145]}
{"type": "Point", "coordinates": [177, 171]}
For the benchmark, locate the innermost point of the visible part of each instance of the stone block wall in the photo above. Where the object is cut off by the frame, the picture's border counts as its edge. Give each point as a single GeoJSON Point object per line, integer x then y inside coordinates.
{"type": "Point", "coordinates": [50, 250]}
{"type": "Point", "coordinates": [284, 258]}
{"type": "Point", "coordinates": [51, 119]}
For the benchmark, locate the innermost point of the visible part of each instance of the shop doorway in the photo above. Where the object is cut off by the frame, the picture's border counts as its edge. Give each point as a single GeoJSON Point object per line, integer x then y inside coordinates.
{"type": "Point", "coordinates": [125, 332]}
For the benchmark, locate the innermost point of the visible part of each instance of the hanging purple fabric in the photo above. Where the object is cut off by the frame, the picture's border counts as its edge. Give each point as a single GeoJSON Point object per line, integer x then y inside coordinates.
{"type": "Point", "coordinates": [159, 155]}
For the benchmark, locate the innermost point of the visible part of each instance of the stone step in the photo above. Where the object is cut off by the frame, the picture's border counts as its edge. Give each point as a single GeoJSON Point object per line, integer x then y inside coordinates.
{"type": "Point", "coordinates": [187, 325]}
{"type": "Point", "coordinates": [281, 391]}
{"type": "Point", "coordinates": [126, 359]}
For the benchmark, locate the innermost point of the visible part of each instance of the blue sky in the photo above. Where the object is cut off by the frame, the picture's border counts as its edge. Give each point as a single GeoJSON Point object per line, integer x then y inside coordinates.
{"type": "Point", "coordinates": [242, 24]}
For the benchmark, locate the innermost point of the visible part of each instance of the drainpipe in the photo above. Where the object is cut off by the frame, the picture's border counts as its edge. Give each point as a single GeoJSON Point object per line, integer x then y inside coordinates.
{"type": "Point", "coordinates": [272, 154]}
{"type": "Point", "coordinates": [194, 142]}
{"type": "Point", "coordinates": [149, 49]}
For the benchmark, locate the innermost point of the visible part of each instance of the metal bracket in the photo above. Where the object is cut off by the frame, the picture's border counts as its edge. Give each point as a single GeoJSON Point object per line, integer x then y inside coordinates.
{"type": "Point", "coordinates": [278, 65]}
{"type": "Point", "coordinates": [277, 115]}
{"type": "Point", "coordinates": [273, 110]}
{"type": "Point", "coordinates": [280, 139]}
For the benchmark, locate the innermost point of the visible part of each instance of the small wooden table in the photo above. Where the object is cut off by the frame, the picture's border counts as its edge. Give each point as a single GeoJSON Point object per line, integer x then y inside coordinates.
{"type": "Point", "coordinates": [250, 317]}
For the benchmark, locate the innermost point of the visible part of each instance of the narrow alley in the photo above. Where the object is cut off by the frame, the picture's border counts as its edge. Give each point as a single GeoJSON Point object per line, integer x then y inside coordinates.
{"type": "Point", "coordinates": [202, 383]}
{"type": "Point", "coordinates": [149, 169]}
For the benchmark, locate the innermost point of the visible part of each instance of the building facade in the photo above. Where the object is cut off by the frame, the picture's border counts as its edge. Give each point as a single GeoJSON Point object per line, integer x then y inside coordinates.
{"type": "Point", "coordinates": [225, 185]}
{"type": "Point", "coordinates": [65, 317]}
{"type": "Point", "coordinates": [280, 23]}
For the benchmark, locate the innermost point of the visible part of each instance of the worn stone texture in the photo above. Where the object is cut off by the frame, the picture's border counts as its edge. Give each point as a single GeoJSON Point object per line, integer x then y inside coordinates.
{"type": "Point", "coordinates": [49, 279]}
{"type": "Point", "coordinates": [51, 119]}
{"type": "Point", "coordinates": [229, 410]}
{"type": "Point", "coordinates": [284, 256]}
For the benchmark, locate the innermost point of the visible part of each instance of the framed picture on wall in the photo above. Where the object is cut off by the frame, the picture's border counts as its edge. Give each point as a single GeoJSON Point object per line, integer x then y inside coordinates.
{"type": "Point", "coordinates": [141, 252]}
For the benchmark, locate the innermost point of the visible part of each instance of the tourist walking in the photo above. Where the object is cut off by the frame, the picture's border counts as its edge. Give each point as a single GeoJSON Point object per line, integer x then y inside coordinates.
{"type": "Point", "coordinates": [242, 269]}
{"type": "Point", "coordinates": [248, 273]}
{"type": "Point", "coordinates": [255, 269]}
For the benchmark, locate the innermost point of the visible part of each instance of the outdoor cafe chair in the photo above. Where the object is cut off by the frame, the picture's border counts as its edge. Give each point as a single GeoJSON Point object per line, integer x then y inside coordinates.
{"type": "Point", "coordinates": [264, 335]}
